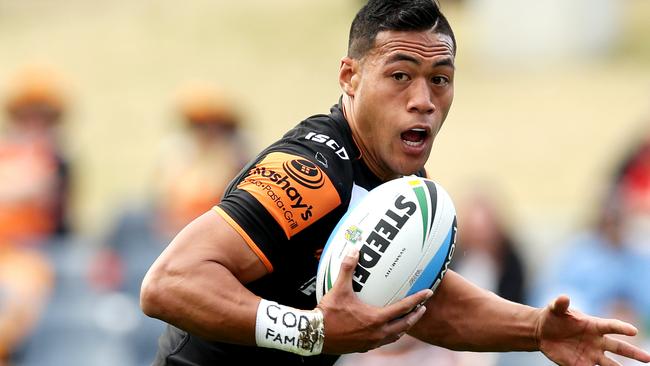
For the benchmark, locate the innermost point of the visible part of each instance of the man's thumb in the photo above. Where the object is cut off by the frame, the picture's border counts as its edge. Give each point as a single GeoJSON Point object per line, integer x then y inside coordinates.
{"type": "Point", "coordinates": [561, 305]}
{"type": "Point", "coordinates": [348, 265]}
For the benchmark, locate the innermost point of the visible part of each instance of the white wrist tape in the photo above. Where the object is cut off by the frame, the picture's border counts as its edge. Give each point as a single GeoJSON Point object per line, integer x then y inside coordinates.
{"type": "Point", "coordinates": [288, 329]}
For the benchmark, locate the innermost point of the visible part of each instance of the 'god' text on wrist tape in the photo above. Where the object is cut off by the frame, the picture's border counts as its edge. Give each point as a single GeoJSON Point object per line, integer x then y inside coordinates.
{"type": "Point", "coordinates": [285, 328]}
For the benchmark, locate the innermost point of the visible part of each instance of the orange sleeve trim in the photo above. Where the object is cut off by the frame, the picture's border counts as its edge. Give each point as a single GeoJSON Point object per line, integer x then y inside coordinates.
{"type": "Point", "coordinates": [251, 244]}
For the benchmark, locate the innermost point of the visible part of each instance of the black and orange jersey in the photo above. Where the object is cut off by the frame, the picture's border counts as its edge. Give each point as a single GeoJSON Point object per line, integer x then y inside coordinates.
{"type": "Point", "coordinates": [285, 203]}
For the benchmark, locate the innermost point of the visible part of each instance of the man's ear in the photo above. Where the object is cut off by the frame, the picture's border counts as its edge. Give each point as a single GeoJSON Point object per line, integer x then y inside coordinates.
{"type": "Point", "coordinates": [349, 75]}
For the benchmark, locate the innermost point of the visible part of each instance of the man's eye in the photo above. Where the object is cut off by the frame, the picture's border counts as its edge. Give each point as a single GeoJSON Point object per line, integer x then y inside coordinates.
{"type": "Point", "coordinates": [439, 80]}
{"type": "Point", "coordinates": [400, 76]}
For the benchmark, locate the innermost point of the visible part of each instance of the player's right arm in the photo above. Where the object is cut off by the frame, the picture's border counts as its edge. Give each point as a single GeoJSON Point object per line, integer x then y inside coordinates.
{"type": "Point", "coordinates": [197, 285]}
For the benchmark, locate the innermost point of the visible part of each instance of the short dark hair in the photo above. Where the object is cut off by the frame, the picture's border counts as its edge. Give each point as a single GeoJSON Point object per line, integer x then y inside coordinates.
{"type": "Point", "coordinates": [397, 15]}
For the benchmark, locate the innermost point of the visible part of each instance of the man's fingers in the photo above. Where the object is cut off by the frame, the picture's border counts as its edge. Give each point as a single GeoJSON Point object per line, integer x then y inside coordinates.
{"type": "Point", "coordinates": [402, 325]}
{"type": "Point", "coordinates": [560, 305]}
{"type": "Point", "coordinates": [614, 326]}
{"type": "Point", "coordinates": [625, 349]}
{"type": "Point", "coordinates": [407, 304]}
{"type": "Point", "coordinates": [348, 265]}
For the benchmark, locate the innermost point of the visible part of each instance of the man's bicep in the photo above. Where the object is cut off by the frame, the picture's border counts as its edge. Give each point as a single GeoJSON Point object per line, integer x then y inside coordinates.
{"type": "Point", "coordinates": [211, 238]}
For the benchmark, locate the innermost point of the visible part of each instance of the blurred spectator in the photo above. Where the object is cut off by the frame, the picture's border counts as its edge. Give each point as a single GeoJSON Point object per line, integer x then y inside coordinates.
{"type": "Point", "coordinates": [34, 184]}
{"type": "Point", "coordinates": [34, 176]}
{"type": "Point", "coordinates": [633, 179]}
{"type": "Point", "coordinates": [197, 164]}
{"type": "Point", "coordinates": [632, 184]}
{"type": "Point", "coordinates": [488, 255]}
{"type": "Point", "coordinates": [486, 252]}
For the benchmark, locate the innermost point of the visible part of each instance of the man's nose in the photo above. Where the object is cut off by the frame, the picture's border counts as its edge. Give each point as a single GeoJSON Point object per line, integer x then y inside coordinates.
{"type": "Point", "coordinates": [420, 97]}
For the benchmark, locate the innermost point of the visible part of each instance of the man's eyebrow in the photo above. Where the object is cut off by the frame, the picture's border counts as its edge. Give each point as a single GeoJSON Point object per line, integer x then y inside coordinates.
{"type": "Point", "coordinates": [447, 61]}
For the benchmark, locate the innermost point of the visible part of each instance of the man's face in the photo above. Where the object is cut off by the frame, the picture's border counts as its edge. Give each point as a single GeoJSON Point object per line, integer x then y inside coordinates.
{"type": "Point", "coordinates": [400, 93]}
{"type": "Point", "coordinates": [36, 118]}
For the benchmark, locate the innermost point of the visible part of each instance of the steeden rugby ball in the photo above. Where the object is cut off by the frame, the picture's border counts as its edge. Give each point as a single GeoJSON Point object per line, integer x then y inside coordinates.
{"type": "Point", "coordinates": [405, 230]}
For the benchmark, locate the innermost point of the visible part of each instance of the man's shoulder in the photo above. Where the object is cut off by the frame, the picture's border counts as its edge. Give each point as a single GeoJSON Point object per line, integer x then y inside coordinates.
{"type": "Point", "coordinates": [324, 138]}
{"type": "Point", "coordinates": [320, 144]}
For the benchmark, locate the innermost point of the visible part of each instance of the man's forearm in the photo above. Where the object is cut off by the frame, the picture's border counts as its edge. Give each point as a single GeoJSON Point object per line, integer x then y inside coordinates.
{"type": "Point", "coordinates": [197, 282]}
{"type": "Point", "coordinates": [212, 305]}
{"type": "Point", "coordinates": [462, 316]}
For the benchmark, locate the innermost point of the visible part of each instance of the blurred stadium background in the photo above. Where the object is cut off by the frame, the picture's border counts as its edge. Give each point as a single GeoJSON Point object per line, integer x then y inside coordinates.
{"type": "Point", "coordinates": [550, 97]}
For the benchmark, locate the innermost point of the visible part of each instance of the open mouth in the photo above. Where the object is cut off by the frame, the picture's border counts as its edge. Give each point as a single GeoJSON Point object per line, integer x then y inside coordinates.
{"type": "Point", "coordinates": [414, 137]}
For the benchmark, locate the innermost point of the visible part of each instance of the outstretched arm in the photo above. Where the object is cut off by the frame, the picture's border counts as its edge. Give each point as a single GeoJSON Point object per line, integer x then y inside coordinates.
{"type": "Point", "coordinates": [462, 316]}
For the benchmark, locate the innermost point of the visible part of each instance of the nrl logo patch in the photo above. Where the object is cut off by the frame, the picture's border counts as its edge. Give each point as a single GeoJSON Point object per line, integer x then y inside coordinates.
{"type": "Point", "coordinates": [353, 234]}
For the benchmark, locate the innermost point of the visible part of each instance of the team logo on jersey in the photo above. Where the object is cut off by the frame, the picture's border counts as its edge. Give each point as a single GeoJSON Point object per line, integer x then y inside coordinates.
{"type": "Point", "coordinates": [292, 189]}
{"type": "Point", "coordinates": [304, 172]}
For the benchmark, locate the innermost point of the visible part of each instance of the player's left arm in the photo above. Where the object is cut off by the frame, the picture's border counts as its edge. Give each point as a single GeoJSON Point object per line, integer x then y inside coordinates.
{"type": "Point", "coordinates": [462, 316]}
